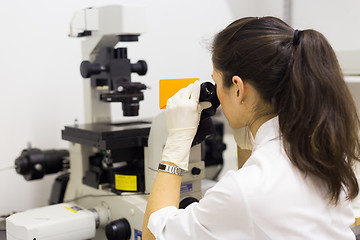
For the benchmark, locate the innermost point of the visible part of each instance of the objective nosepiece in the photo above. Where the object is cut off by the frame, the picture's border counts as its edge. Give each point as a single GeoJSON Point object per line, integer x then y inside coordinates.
{"type": "Point", "coordinates": [130, 109]}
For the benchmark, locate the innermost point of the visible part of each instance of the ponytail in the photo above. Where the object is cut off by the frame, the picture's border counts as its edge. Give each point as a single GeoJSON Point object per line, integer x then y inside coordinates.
{"type": "Point", "coordinates": [303, 82]}
{"type": "Point", "coordinates": [318, 117]}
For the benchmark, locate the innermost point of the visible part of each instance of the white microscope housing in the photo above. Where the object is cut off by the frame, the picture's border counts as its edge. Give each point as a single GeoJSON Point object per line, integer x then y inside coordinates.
{"type": "Point", "coordinates": [113, 165]}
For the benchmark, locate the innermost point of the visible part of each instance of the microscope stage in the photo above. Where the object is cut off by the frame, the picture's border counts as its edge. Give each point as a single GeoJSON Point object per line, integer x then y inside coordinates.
{"type": "Point", "coordinates": [109, 135]}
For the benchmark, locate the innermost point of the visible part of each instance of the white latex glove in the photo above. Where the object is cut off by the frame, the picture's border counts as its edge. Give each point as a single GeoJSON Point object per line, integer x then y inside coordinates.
{"type": "Point", "coordinates": [183, 112]}
{"type": "Point", "coordinates": [243, 137]}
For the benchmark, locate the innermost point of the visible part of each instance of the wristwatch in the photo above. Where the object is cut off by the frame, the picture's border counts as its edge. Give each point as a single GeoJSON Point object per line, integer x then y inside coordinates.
{"type": "Point", "coordinates": [171, 169]}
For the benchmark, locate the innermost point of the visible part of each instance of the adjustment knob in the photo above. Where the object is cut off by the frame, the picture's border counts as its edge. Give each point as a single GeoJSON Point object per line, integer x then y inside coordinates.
{"type": "Point", "coordinates": [22, 165]}
{"type": "Point", "coordinates": [186, 202]}
{"type": "Point", "coordinates": [195, 171]}
{"type": "Point", "coordinates": [140, 67]}
{"type": "Point", "coordinates": [87, 69]}
{"type": "Point", "coordinates": [118, 230]}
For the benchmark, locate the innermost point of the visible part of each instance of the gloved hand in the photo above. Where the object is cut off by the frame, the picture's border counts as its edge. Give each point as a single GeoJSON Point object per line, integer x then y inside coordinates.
{"type": "Point", "coordinates": [243, 137]}
{"type": "Point", "coordinates": [183, 112]}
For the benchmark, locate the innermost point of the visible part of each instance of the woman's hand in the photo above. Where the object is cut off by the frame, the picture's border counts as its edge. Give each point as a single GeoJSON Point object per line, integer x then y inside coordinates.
{"type": "Point", "coordinates": [182, 117]}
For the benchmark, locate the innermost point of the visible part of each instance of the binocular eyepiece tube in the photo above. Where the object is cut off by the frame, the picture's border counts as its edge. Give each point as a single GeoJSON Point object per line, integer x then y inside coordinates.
{"type": "Point", "coordinates": [207, 91]}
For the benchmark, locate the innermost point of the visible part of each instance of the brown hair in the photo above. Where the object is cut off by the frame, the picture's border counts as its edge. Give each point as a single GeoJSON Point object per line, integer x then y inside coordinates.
{"type": "Point", "coordinates": [304, 84]}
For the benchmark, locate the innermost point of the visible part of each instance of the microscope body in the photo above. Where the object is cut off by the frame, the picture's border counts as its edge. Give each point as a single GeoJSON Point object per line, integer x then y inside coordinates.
{"type": "Point", "coordinates": [131, 149]}
{"type": "Point", "coordinates": [124, 192]}
{"type": "Point", "coordinates": [112, 165]}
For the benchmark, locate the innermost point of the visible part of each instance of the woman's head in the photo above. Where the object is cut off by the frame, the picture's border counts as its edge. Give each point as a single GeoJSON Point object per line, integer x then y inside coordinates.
{"type": "Point", "coordinates": [302, 82]}
{"type": "Point", "coordinates": [258, 50]}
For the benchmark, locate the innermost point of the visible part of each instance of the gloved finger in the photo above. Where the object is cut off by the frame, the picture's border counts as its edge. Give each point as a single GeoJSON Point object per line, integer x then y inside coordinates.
{"type": "Point", "coordinates": [187, 91]}
{"type": "Point", "coordinates": [179, 96]}
{"type": "Point", "coordinates": [195, 92]}
{"type": "Point", "coordinates": [204, 105]}
{"type": "Point", "coordinates": [170, 102]}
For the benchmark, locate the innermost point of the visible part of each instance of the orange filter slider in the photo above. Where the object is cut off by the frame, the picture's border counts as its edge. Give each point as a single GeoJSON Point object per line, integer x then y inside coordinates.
{"type": "Point", "coordinates": [168, 88]}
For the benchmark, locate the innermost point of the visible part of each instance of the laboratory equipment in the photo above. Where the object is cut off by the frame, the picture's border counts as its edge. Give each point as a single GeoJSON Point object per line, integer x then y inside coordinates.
{"type": "Point", "coordinates": [112, 165]}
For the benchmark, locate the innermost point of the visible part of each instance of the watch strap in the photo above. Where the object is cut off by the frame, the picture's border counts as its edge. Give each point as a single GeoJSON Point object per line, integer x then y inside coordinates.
{"type": "Point", "coordinates": [171, 169]}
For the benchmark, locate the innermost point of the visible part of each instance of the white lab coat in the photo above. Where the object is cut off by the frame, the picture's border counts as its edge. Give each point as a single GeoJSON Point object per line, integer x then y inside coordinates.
{"type": "Point", "coordinates": [266, 199]}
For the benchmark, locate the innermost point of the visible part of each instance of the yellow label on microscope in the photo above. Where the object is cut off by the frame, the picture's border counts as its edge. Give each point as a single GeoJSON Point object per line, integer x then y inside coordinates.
{"type": "Point", "coordinates": [70, 209]}
{"type": "Point", "coordinates": [125, 182]}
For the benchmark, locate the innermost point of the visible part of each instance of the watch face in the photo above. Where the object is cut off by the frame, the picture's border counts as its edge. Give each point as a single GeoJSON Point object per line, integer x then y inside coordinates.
{"type": "Point", "coordinates": [162, 167]}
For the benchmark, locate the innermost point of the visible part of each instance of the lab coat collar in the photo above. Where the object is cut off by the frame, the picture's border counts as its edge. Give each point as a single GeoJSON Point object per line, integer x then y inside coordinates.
{"type": "Point", "coordinates": [267, 132]}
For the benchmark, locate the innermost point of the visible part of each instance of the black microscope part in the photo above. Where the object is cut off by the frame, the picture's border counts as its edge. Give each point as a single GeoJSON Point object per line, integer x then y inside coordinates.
{"type": "Point", "coordinates": [140, 67]}
{"type": "Point", "coordinates": [206, 127]}
{"type": "Point", "coordinates": [35, 163]}
{"type": "Point", "coordinates": [207, 91]}
{"type": "Point", "coordinates": [88, 69]}
{"type": "Point", "coordinates": [118, 230]}
{"type": "Point", "coordinates": [113, 69]}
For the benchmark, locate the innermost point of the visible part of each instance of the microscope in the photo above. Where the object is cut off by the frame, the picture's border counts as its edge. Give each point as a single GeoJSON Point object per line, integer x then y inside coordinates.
{"type": "Point", "coordinates": [109, 168]}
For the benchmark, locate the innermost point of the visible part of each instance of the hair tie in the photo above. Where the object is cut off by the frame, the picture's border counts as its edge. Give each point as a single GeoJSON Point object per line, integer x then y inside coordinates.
{"type": "Point", "coordinates": [296, 39]}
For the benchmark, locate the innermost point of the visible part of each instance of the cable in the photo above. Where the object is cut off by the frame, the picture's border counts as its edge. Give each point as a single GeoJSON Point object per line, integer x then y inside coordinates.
{"type": "Point", "coordinates": [6, 168]}
{"type": "Point", "coordinates": [105, 195]}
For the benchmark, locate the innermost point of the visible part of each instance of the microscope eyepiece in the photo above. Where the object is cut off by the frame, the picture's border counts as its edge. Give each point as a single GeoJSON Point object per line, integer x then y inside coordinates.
{"type": "Point", "coordinates": [208, 94]}
{"type": "Point", "coordinates": [207, 91]}
{"type": "Point", "coordinates": [206, 127]}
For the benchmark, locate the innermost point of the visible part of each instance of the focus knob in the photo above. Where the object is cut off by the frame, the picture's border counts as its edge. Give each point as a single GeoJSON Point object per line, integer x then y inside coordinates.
{"type": "Point", "coordinates": [195, 171]}
{"type": "Point", "coordinates": [22, 165]}
{"type": "Point", "coordinates": [186, 202]}
{"type": "Point", "coordinates": [140, 67]}
{"type": "Point", "coordinates": [118, 230]}
{"type": "Point", "coordinates": [87, 69]}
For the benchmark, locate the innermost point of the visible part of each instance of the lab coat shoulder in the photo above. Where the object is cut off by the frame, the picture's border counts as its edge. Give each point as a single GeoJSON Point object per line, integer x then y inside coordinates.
{"type": "Point", "coordinates": [268, 180]}
{"type": "Point", "coordinates": [264, 170]}
{"type": "Point", "coordinates": [281, 198]}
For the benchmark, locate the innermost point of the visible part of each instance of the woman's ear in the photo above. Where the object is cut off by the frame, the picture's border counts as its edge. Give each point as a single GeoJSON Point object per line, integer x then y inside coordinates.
{"type": "Point", "coordinates": [238, 85]}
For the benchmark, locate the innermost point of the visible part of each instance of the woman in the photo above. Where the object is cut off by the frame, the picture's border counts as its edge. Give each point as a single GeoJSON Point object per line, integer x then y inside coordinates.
{"type": "Point", "coordinates": [287, 87]}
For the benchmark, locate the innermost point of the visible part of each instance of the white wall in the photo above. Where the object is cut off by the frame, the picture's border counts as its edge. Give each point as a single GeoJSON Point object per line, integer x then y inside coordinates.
{"type": "Point", "coordinates": [339, 21]}
{"type": "Point", "coordinates": [42, 87]}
